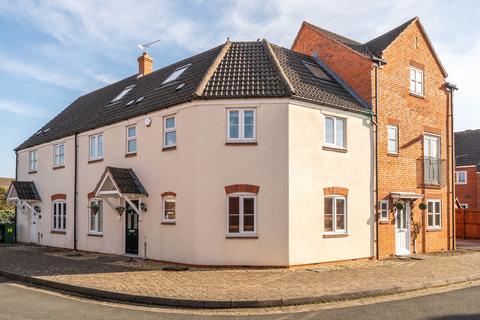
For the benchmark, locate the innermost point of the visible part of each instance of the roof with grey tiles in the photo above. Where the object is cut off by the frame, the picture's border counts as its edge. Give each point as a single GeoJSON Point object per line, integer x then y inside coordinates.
{"type": "Point", "coordinates": [246, 70]}
{"type": "Point", "coordinates": [372, 48]}
{"type": "Point", "coordinates": [467, 148]}
{"type": "Point", "coordinates": [125, 179]}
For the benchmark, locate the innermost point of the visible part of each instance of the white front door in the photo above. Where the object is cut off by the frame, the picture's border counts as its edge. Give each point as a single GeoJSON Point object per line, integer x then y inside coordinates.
{"type": "Point", "coordinates": [33, 230]}
{"type": "Point", "coordinates": [402, 230]}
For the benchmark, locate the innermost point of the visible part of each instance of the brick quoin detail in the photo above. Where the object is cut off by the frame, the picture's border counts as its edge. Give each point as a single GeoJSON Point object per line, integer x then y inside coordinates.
{"type": "Point", "coordinates": [247, 188]}
{"type": "Point", "coordinates": [169, 194]}
{"type": "Point", "coordinates": [335, 190]}
{"type": "Point", "coordinates": [59, 196]}
{"type": "Point", "coordinates": [90, 195]}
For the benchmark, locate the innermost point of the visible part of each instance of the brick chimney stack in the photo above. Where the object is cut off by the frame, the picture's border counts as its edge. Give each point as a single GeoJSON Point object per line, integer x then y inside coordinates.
{"type": "Point", "coordinates": [145, 64]}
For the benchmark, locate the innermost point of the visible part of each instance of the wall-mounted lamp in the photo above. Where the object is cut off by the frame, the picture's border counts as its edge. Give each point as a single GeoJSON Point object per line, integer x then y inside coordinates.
{"type": "Point", "coordinates": [143, 207]}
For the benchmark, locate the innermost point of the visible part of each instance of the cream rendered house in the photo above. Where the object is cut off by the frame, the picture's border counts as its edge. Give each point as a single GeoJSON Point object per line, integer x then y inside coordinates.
{"type": "Point", "coordinates": [246, 154]}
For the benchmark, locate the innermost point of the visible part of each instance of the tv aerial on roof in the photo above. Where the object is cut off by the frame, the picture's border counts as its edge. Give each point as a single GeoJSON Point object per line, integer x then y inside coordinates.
{"type": "Point", "coordinates": [145, 46]}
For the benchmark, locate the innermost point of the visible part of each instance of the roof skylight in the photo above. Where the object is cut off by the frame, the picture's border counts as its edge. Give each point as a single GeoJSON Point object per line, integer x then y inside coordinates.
{"type": "Point", "coordinates": [123, 93]}
{"type": "Point", "coordinates": [316, 71]}
{"type": "Point", "coordinates": [177, 73]}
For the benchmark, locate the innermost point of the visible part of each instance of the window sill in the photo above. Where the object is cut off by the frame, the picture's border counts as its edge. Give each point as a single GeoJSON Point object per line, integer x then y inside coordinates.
{"type": "Point", "coordinates": [433, 229]}
{"type": "Point", "coordinates": [393, 155]}
{"type": "Point", "coordinates": [58, 232]}
{"type": "Point", "coordinates": [99, 235]}
{"type": "Point", "coordinates": [416, 95]}
{"type": "Point", "coordinates": [383, 222]}
{"type": "Point", "coordinates": [241, 143]}
{"type": "Point", "coordinates": [95, 160]}
{"type": "Point", "coordinates": [168, 223]}
{"type": "Point", "coordinates": [58, 167]}
{"type": "Point", "coordinates": [32, 172]}
{"type": "Point", "coordinates": [335, 149]}
{"type": "Point", "coordinates": [169, 148]}
{"type": "Point", "coordinates": [129, 155]}
{"type": "Point", "coordinates": [240, 236]}
{"type": "Point", "coordinates": [335, 235]}
{"type": "Point", "coordinates": [432, 186]}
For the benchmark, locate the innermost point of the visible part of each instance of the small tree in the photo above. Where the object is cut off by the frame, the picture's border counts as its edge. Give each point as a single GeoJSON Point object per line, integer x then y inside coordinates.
{"type": "Point", "coordinates": [4, 205]}
{"type": "Point", "coordinates": [7, 216]}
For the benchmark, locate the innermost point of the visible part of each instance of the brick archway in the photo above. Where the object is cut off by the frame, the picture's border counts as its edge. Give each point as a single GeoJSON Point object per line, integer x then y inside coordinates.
{"type": "Point", "coordinates": [247, 188]}
{"type": "Point", "coordinates": [335, 190]}
{"type": "Point", "coordinates": [59, 196]}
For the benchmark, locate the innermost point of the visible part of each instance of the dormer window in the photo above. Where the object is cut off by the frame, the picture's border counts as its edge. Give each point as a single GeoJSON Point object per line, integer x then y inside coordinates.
{"type": "Point", "coordinates": [123, 93]}
{"type": "Point", "coordinates": [176, 74]}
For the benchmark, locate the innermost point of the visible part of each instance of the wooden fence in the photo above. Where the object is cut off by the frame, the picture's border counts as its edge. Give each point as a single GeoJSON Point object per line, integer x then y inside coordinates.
{"type": "Point", "coordinates": [467, 223]}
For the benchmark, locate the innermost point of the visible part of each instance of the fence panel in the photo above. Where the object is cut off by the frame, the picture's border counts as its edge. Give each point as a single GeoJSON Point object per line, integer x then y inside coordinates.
{"type": "Point", "coordinates": [467, 223]}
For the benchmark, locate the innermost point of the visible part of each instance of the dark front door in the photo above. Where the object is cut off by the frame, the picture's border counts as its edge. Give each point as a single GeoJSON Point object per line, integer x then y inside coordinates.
{"type": "Point", "coordinates": [131, 229]}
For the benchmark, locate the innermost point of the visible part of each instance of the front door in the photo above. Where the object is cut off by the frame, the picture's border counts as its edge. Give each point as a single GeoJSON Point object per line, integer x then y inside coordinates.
{"type": "Point", "coordinates": [402, 230]}
{"type": "Point", "coordinates": [33, 230]}
{"type": "Point", "coordinates": [131, 229]}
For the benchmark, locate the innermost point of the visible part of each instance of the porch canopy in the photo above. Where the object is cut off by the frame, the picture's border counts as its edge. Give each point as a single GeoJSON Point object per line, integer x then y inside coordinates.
{"type": "Point", "coordinates": [23, 193]}
{"type": "Point", "coordinates": [405, 195]}
{"type": "Point", "coordinates": [121, 183]}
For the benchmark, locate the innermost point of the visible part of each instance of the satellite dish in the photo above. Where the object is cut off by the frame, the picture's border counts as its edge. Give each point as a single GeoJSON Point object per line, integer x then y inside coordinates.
{"type": "Point", "coordinates": [145, 46]}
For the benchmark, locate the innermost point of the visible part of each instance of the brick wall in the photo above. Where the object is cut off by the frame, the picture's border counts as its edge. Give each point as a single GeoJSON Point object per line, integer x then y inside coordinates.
{"type": "Point", "coordinates": [469, 193]}
{"type": "Point", "coordinates": [413, 115]}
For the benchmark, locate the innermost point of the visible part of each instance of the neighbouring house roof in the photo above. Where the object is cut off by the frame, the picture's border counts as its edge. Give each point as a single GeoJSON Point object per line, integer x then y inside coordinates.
{"type": "Point", "coordinates": [467, 148]}
{"type": "Point", "coordinates": [253, 69]}
{"type": "Point", "coordinates": [23, 190]}
{"type": "Point", "coordinates": [124, 181]}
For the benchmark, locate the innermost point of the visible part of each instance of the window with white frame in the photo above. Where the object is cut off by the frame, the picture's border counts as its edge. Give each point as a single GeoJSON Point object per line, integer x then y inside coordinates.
{"type": "Point", "coordinates": [96, 146]}
{"type": "Point", "coordinates": [59, 215]}
{"type": "Point", "coordinates": [241, 124]}
{"type": "Point", "coordinates": [461, 177]}
{"type": "Point", "coordinates": [416, 81]}
{"type": "Point", "coordinates": [384, 210]}
{"type": "Point", "coordinates": [169, 209]}
{"type": "Point", "coordinates": [464, 205]}
{"type": "Point", "coordinates": [392, 139]}
{"type": "Point", "coordinates": [170, 131]}
{"type": "Point", "coordinates": [59, 155]}
{"type": "Point", "coordinates": [335, 132]}
{"type": "Point", "coordinates": [33, 161]}
{"type": "Point", "coordinates": [335, 214]}
{"type": "Point", "coordinates": [241, 214]}
{"type": "Point", "coordinates": [123, 93]}
{"type": "Point", "coordinates": [131, 139]}
{"type": "Point", "coordinates": [95, 220]}
{"type": "Point", "coordinates": [434, 212]}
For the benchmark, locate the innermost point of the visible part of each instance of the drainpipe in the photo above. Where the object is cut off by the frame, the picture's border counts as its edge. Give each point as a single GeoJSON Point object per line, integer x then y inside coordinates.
{"type": "Point", "coordinates": [16, 178]}
{"type": "Point", "coordinates": [376, 66]}
{"type": "Point", "coordinates": [451, 87]}
{"type": "Point", "coordinates": [75, 195]}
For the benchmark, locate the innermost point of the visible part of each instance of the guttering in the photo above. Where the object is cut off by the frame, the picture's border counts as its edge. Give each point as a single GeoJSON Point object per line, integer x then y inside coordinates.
{"type": "Point", "coordinates": [375, 205]}
{"type": "Point", "coordinates": [75, 177]}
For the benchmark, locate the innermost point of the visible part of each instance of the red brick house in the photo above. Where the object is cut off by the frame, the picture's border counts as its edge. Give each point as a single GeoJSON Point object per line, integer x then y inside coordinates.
{"type": "Point", "coordinates": [400, 75]}
{"type": "Point", "coordinates": [467, 173]}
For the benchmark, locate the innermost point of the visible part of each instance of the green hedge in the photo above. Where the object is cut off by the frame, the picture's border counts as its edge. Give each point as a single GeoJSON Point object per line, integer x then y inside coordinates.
{"type": "Point", "coordinates": [7, 216]}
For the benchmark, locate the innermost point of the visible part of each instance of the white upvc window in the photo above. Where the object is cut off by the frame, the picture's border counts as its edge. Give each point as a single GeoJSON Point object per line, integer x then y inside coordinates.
{"type": "Point", "coordinates": [392, 139]}
{"type": "Point", "coordinates": [241, 125]}
{"type": "Point", "coordinates": [131, 139]}
{"type": "Point", "coordinates": [96, 146]}
{"type": "Point", "coordinates": [384, 210]}
{"type": "Point", "coordinates": [33, 161]}
{"type": "Point", "coordinates": [95, 216]}
{"type": "Point", "coordinates": [242, 214]}
{"type": "Point", "coordinates": [169, 209]}
{"type": "Point", "coordinates": [461, 177]}
{"type": "Point", "coordinates": [176, 74]}
{"type": "Point", "coordinates": [416, 81]}
{"type": "Point", "coordinates": [59, 155]}
{"type": "Point", "coordinates": [335, 132]}
{"type": "Point", "coordinates": [59, 215]}
{"type": "Point", "coordinates": [335, 214]}
{"type": "Point", "coordinates": [464, 205]}
{"type": "Point", "coordinates": [434, 212]}
{"type": "Point", "coordinates": [169, 131]}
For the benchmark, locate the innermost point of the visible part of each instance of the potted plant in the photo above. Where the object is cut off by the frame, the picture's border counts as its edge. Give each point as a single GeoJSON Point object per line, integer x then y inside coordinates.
{"type": "Point", "coordinates": [120, 210]}
{"type": "Point", "coordinates": [399, 205]}
{"type": "Point", "coordinates": [95, 207]}
{"type": "Point", "coordinates": [422, 206]}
